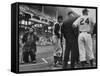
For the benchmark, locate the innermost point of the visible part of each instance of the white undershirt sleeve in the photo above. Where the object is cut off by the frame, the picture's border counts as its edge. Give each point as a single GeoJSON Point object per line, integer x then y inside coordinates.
{"type": "Point", "coordinates": [76, 22]}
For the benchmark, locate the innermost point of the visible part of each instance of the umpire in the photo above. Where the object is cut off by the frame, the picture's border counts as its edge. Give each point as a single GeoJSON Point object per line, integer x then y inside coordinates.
{"type": "Point", "coordinates": [71, 40]}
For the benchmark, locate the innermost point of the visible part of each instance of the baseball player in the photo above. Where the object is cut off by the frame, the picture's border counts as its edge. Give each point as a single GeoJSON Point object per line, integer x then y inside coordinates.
{"type": "Point", "coordinates": [57, 41]}
{"type": "Point", "coordinates": [84, 24]}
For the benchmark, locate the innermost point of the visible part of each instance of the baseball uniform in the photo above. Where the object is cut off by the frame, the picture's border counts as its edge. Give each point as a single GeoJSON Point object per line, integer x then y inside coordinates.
{"type": "Point", "coordinates": [84, 24]}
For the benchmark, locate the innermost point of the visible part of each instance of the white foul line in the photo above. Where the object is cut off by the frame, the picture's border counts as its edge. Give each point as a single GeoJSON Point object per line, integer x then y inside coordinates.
{"type": "Point", "coordinates": [44, 60]}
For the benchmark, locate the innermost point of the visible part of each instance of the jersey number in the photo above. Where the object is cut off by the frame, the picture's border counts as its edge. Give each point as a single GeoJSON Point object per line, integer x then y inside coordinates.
{"type": "Point", "coordinates": [84, 21]}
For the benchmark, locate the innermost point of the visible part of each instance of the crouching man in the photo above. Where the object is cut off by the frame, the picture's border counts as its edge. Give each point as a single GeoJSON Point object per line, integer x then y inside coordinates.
{"type": "Point", "coordinates": [30, 47]}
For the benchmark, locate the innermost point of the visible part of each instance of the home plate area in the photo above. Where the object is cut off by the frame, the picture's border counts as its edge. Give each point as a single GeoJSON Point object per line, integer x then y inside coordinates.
{"type": "Point", "coordinates": [42, 64]}
{"type": "Point", "coordinates": [44, 60]}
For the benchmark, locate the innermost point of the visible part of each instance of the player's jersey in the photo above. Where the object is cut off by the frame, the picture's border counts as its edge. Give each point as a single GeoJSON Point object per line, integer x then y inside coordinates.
{"type": "Point", "coordinates": [84, 23]}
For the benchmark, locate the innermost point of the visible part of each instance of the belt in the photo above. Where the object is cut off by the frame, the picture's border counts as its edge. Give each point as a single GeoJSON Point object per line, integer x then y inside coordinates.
{"type": "Point", "coordinates": [84, 32]}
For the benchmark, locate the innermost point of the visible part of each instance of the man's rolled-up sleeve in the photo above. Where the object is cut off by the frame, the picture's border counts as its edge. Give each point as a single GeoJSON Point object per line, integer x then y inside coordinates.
{"type": "Point", "coordinates": [76, 22]}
